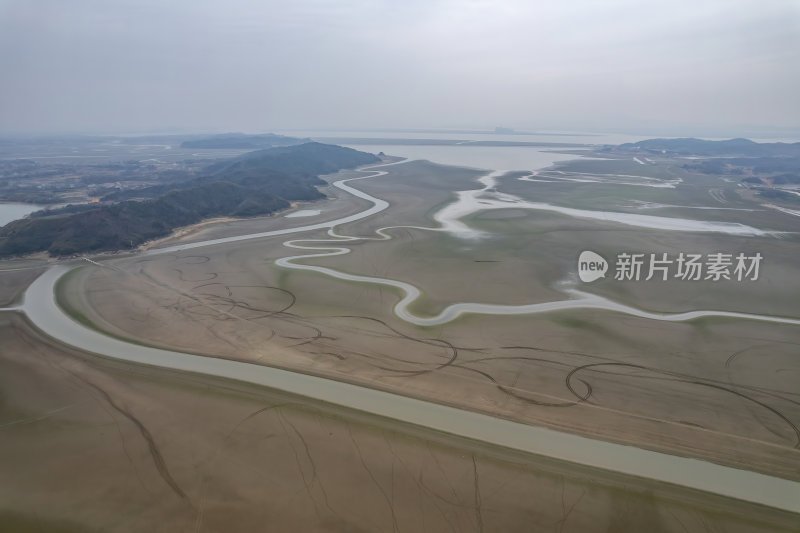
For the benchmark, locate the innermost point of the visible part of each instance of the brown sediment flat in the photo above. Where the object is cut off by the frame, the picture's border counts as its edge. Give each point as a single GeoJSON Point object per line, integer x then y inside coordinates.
{"type": "Point", "coordinates": [186, 231]}
{"type": "Point", "coordinates": [337, 204]}
{"type": "Point", "coordinates": [15, 277]}
{"type": "Point", "coordinates": [723, 390]}
{"type": "Point", "coordinates": [92, 444]}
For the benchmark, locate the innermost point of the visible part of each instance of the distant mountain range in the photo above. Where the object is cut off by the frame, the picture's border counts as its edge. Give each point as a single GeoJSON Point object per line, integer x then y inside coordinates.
{"type": "Point", "coordinates": [242, 141]}
{"type": "Point", "coordinates": [256, 183]}
{"type": "Point", "coordinates": [699, 147]}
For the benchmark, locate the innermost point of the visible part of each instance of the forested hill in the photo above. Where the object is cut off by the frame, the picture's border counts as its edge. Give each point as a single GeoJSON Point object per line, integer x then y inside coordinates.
{"type": "Point", "coordinates": [268, 169]}
{"type": "Point", "coordinates": [256, 183]}
{"type": "Point", "coordinates": [308, 158]}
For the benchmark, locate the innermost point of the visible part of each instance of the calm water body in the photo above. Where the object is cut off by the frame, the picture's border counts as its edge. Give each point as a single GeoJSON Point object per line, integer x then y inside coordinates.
{"type": "Point", "coordinates": [484, 157]}
{"type": "Point", "coordinates": [9, 212]}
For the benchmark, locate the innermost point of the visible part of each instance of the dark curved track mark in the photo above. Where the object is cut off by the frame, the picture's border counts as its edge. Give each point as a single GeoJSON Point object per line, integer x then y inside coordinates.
{"type": "Point", "coordinates": [273, 288]}
{"type": "Point", "coordinates": [308, 340]}
{"type": "Point", "coordinates": [213, 275]}
{"type": "Point", "coordinates": [233, 303]}
{"type": "Point", "coordinates": [438, 343]}
{"type": "Point", "coordinates": [203, 259]}
{"type": "Point", "coordinates": [761, 390]}
{"type": "Point", "coordinates": [771, 409]}
{"type": "Point", "coordinates": [514, 394]}
{"type": "Point", "coordinates": [737, 353]}
{"type": "Point", "coordinates": [155, 453]}
{"type": "Point", "coordinates": [338, 356]}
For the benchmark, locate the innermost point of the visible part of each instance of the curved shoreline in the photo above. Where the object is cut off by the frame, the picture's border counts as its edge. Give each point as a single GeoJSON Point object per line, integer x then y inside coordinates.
{"type": "Point", "coordinates": [41, 308]}
{"type": "Point", "coordinates": [582, 300]}
{"type": "Point", "coordinates": [43, 311]}
{"type": "Point", "coordinates": [378, 206]}
{"type": "Point", "coordinates": [467, 202]}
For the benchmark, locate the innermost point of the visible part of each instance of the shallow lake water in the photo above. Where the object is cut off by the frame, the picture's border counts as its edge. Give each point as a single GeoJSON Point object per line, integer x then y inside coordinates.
{"type": "Point", "coordinates": [9, 212]}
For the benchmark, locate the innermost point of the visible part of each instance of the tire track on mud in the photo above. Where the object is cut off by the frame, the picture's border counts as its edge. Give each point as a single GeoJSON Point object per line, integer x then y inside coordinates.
{"type": "Point", "coordinates": [155, 452]}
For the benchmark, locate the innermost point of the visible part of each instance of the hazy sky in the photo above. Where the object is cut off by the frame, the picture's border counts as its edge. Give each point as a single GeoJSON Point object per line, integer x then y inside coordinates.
{"type": "Point", "coordinates": [261, 65]}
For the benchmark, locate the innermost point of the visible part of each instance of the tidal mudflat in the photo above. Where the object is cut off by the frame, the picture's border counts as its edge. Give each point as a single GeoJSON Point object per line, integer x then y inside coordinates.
{"type": "Point", "coordinates": [130, 448]}
{"type": "Point", "coordinates": [574, 371]}
{"type": "Point", "coordinates": [720, 388]}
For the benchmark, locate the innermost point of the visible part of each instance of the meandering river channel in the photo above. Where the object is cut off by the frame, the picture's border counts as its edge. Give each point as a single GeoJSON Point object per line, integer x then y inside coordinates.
{"type": "Point", "coordinates": [41, 308]}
